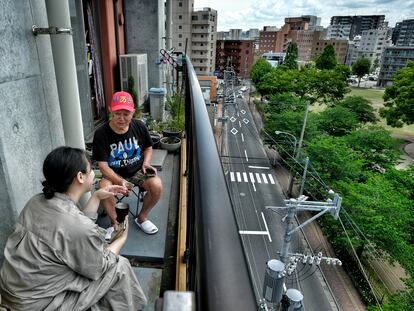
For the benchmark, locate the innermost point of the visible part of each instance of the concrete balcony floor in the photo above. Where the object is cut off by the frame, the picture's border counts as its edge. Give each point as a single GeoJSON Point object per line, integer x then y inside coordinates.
{"type": "Point", "coordinates": [153, 256]}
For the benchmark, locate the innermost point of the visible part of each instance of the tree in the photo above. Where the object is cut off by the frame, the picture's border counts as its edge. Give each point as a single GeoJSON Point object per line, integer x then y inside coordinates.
{"type": "Point", "coordinates": [291, 60]}
{"type": "Point", "coordinates": [399, 98]}
{"type": "Point", "coordinates": [337, 121]}
{"type": "Point", "coordinates": [275, 82]}
{"type": "Point", "coordinates": [330, 85]}
{"type": "Point", "coordinates": [327, 60]}
{"type": "Point", "coordinates": [375, 145]}
{"type": "Point", "coordinates": [361, 106]}
{"type": "Point", "coordinates": [284, 102]}
{"type": "Point", "coordinates": [260, 68]}
{"type": "Point", "coordinates": [333, 159]}
{"type": "Point", "coordinates": [361, 68]}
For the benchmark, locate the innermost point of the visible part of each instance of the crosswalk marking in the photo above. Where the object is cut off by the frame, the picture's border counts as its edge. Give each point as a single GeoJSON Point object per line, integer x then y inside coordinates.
{"type": "Point", "coordinates": [264, 178]}
{"type": "Point", "coordinates": [251, 177]}
{"type": "Point", "coordinates": [238, 177]}
{"type": "Point", "coordinates": [254, 178]}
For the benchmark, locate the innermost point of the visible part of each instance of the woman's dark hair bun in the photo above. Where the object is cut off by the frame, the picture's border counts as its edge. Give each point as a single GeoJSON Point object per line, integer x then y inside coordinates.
{"type": "Point", "coordinates": [48, 190]}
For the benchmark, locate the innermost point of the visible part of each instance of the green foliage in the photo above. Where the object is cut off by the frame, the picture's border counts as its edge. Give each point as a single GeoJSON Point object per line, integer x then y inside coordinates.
{"type": "Point", "coordinates": [399, 98]}
{"type": "Point", "coordinates": [327, 60]}
{"type": "Point", "coordinates": [337, 121]}
{"type": "Point", "coordinates": [284, 102]}
{"type": "Point", "coordinates": [375, 145]}
{"type": "Point", "coordinates": [361, 67]}
{"type": "Point", "coordinates": [275, 82]}
{"type": "Point", "coordinates": [361, 106]}
{"type": "Point", "coordinates": [291, 60]}
{"type": "Point", "coordinates": [175, 105]}
{"type": "Point", "coordinates": [344, 70]}
{"type": "Point", "coordinates": [333, 159]}
{"type": "Point", "coordinates": [260, 68]}
{"type": "Point", "coordinates": [134, 94]}
{"type": "Point", "coordinates": [330, 85]}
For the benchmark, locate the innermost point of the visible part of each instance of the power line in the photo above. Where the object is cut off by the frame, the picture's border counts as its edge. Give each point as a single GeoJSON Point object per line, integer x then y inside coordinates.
{"type": "Point", "coordinates": [360, 264]}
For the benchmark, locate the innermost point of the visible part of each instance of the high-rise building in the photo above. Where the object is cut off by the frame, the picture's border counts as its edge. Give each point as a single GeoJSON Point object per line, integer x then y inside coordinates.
{"type": "Point", "coordinates": [405, 33]}
{"type": "Point", "coordinates": [181, 25]}
{"type": "Point", "coordinates": [352, 53]}
{"type": "Point", "coordinates": [340, 47]}
{"type": "Point", "coordinates": [358, 23]}
{"type": "Point", "coordinates": [203, 41]}
{"type": "Point", "coordinates": [372, 44]}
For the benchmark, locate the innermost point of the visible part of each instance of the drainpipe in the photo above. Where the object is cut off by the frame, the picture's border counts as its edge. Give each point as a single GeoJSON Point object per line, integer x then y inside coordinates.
{"type": "Point", "coordinates": [116, 29]}
{"type": "Point", "coordinates": [65, 70]}
{"type": "Point", "coordinates": [66, 79]}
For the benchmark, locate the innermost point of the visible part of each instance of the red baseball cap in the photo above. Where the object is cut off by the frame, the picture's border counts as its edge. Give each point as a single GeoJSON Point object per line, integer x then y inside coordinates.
{"type": "Point", "coordinates": [122, 101]}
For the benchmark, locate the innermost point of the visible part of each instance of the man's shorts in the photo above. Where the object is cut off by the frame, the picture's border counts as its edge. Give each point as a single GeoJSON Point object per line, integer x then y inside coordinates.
{"type": "Point", "coordinates": [139, 178]}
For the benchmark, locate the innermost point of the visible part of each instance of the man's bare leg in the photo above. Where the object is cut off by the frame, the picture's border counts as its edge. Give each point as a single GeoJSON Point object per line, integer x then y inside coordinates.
{"type": "Point", "coordinates": [153, 186]}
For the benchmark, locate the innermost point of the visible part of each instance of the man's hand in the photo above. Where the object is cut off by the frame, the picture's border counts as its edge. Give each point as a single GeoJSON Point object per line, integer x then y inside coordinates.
{"type": "Point", "coordinates": [147, 166]}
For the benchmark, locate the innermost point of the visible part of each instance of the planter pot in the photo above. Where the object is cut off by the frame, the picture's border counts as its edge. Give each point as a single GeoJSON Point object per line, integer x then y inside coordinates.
{"type": "Point", "coordinates": [171, 132]}
{"type": "Point", "coordinates": [155, 140]}
{"type": "Point", "coordinates": [171, 144]}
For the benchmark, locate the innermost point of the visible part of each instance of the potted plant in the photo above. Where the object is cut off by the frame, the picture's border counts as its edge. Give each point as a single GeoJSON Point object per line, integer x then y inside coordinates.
{"type": "Point", "coordinates": [175, 105]}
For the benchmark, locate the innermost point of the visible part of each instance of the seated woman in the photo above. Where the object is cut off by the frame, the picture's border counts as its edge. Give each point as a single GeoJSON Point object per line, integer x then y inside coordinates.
{"type": "Point", "coordinates": [57, 258]}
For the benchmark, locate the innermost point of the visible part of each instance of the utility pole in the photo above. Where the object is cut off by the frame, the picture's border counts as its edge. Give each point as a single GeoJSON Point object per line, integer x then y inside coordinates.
{"type": "Point", "coordinates": [276, 270]}
{"type": "Point", "coordinates": [302, 132]}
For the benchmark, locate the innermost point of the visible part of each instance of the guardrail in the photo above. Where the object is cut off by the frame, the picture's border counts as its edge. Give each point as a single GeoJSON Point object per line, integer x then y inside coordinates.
{"type": "Point", "coordinates": [218, 272]}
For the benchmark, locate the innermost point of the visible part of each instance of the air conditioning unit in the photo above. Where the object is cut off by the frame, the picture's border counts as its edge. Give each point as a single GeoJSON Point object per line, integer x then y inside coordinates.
{"type": "Point", "coordinates": [135, 65]}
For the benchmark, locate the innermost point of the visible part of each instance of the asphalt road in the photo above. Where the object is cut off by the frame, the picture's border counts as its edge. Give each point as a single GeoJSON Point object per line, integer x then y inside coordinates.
{"type": "Point", "coordinates": [253, 185]}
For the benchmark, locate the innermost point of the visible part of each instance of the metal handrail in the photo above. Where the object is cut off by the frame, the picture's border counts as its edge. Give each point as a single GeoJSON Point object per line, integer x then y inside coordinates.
{"type": "Point", "coordinates": [218, 270]}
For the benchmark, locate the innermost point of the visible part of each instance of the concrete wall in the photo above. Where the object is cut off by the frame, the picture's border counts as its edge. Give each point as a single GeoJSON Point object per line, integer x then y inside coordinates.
{"type": "Point", "coordinates": [144, 29]}
{"type": "Point", "coordinates": [31, 121]}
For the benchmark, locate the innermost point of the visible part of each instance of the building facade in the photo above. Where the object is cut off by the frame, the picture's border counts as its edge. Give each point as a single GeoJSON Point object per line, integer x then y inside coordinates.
{"type": "Point", "coordinates": [239, 54]}
{"type": "Point", "coordinates": [405, 36]}
{"type": "Point", "coordinates": [340, 47]}
{"type": "Point", "coordinates": [181, 25]}
{"type": "Point", "coordinates": [358, 23]}
{"type": "Point", "coordinates": [393, 59]}
{"type": "Point", "coordinates": [203, 41]}
{"type": "Point", "coordinates": [373, 43]}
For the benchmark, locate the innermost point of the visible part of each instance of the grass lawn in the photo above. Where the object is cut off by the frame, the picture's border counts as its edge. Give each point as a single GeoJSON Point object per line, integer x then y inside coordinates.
{"type": "Point", "coordinates": [375, 97]}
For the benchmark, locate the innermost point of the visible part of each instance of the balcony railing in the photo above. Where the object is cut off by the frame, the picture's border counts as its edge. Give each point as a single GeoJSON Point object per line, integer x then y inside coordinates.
{"type": "Point", "coordinates": [217, 267]}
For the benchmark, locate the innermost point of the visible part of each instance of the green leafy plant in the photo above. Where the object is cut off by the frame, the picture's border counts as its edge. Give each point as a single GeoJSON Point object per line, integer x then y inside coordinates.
{"type": "Point", "coordinates": [134, 94]}
{"type": "Point", "coordinates": [175, 104]}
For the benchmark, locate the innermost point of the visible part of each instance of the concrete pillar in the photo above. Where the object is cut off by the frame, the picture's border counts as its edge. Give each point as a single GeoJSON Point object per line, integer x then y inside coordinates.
{"type": "Point", "coordinates": [144, 32]}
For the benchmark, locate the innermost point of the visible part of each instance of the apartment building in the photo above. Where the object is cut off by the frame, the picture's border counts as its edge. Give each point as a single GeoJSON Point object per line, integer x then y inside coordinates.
{"type": "Point", "coordinates": [352, 53]}
{"type": "Point", "coordinates": [372, 44]}
{"type": "Point", "coordinates": [203, 41]}
{"type": "Point", "coordinates": [393, 59]}
{"type": "Point", "coordinates": [239, 53]}
{"type": "Point", "coordinates": [181, 25]}
{"type": "Point", "coordinates": [268, 40]}
{"type": "Point", "coordinates": [340, 47]}
{"type": "Point", "coordinates": [404, 36]}
{"type": "Point", "coordinates": [357, 23]}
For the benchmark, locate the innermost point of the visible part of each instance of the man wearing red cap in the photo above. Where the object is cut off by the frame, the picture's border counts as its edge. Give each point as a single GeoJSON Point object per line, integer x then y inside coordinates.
{"type": "Point", "coordinates": [123, 149]}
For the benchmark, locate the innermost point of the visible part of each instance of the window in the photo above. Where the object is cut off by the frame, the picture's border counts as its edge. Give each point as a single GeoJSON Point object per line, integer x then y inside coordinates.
{"type": "Point", "coordinates": [179, 44]}
{"type": "Point", "coordinates": [180, 27]}
{"type": "Point", "coordinates": [205, 17]}
{"type": "Point", "coordinates": [180, 36]}
{"type": "Point", "coordinates": [180, 17]}
{"type": "Point", "coordinates": [194, 18]}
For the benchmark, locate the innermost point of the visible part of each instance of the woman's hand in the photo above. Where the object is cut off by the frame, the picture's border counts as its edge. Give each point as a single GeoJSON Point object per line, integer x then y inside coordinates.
{"type": "Point", "coordinates": [110, 191]}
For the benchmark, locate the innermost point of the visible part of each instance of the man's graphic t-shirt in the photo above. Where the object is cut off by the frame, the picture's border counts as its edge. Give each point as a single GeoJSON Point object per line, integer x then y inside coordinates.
{"type": "Point", "coordinates": [122, 152]}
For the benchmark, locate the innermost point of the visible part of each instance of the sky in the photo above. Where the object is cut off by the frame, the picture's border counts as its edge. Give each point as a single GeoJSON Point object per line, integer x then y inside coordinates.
{"type": "Point", "coordinates": [246, 14]}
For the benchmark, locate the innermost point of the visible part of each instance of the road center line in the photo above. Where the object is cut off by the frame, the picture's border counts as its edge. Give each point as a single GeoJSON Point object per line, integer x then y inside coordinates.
{"type": "Point", "coordinates": [242, 137]}
{"type": "Point", "coordinates": [267, 229]}
{"type": "Point", "coordinates": [253, 232]}
{"type": "Point", "coordinates": [260, 167]}
{"type": "Point", "coordinates": [245, 153]}
{"type": "Point", "coordinates": [239, 124]}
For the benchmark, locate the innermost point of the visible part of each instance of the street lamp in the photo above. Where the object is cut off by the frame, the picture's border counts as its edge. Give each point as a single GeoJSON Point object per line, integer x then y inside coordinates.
{"type": "Point", "coordinates": [295, 144]}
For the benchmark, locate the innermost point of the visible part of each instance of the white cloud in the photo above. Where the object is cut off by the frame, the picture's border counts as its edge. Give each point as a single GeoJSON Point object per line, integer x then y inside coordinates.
{"type": "Point", "coordinates": [247, 14]}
